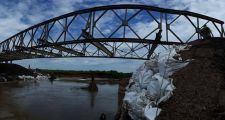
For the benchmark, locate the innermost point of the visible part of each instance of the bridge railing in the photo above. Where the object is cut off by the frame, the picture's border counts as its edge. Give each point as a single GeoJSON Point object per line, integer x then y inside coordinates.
{"type": "Point", "coordinates": [120, 31]}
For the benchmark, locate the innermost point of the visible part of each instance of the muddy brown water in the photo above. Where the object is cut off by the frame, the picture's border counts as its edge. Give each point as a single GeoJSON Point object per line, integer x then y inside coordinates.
{"type": "Point", "coordinates": [61, 100]}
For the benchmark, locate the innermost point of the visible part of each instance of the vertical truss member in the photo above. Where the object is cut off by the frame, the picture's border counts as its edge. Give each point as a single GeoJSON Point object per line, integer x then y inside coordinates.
{"type": "Point", "coordinates": [155, 43]}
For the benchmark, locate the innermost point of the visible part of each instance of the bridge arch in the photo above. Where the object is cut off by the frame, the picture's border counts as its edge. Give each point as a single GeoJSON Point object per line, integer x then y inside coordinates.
{"type": "Point", "coordinates": [115, 31]}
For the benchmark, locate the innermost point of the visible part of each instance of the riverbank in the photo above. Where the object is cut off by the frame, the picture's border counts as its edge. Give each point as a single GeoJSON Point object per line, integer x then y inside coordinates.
{"type": "Point", "coordinates": [12, 72]}
{"type": "Point", "coordinates": [100, 77]}
{"type": "Point", "coordinates": [88, 80]}
{"type": "Point", "coordinates": [200, 90]}
{"type": "Point", "coordinates": [14, 69]}
{"type": "Point", "coordinates": [85, 74]}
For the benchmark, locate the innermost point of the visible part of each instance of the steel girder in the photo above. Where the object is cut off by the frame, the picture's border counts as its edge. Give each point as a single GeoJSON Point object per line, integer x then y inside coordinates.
{"type": "Point", "coordinates": [116, 31]}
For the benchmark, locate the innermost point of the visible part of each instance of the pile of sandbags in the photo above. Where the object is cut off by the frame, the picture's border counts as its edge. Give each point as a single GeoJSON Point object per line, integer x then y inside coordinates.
{"type": "Point", "coordinates": [150, 85]}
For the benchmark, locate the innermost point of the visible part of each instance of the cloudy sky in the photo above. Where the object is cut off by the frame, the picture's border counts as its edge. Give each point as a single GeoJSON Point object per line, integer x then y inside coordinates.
{"type": "Point", "coordinates": [16, 15]}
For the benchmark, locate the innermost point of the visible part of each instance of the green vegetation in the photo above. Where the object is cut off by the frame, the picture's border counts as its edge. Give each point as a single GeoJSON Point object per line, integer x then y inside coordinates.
{"type": "Point", "coordinates": [100, 74]}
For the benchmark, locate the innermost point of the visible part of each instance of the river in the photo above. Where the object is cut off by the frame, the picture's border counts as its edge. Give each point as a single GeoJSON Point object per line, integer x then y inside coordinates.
{"type": "Point", "coordinates": [61, 100]}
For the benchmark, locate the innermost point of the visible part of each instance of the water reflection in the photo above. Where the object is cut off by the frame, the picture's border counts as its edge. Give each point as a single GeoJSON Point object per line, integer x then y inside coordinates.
{"type": "Point", "coordinates": [9, 110]}
{"type": "Point", "coordinates": [92, 98]}
{"type": "Point", "coordinates": [61, 101]}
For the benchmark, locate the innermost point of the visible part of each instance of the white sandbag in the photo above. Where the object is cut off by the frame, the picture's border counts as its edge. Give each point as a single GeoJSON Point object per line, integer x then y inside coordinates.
{"type": "Point", "coordinates": [130, 97]}
{"type": "Point", "coordinates": [151, 112]}
{"type": "Point", "coordinates": [143, 78]}
{"type": "Point", "coordinates": [150, 85]}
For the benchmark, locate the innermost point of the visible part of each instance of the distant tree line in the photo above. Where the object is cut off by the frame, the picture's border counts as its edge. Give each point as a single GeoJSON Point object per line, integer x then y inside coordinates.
{"type": "Point", "coordinates": [108, 74]}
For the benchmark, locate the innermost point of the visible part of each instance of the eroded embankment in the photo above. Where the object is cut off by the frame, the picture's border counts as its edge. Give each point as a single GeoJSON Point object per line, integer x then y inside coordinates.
{"type": "Point", "coordinates": [14, 69]}
{"type": "Point", "coordinates": [11, 72]}
{"type": "Point", "coordinates": [200, 86]}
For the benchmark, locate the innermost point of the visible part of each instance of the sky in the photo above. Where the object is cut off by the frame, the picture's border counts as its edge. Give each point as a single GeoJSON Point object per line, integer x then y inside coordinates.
{"type": "Point", "coordinates": [17, 15]}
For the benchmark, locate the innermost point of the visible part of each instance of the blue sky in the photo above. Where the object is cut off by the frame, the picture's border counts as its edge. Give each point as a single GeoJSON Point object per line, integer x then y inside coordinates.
{"type": "Point", "coordinates": [16, 15]}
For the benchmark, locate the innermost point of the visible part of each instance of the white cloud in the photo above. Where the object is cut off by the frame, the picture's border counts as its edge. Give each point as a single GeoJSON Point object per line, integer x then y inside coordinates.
{"type": "Point", "coordinates": [26, 13]}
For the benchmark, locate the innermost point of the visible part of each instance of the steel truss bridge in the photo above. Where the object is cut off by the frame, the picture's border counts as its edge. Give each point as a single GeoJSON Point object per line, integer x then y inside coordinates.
{"type": "Point", "coordinates": [115, 31]}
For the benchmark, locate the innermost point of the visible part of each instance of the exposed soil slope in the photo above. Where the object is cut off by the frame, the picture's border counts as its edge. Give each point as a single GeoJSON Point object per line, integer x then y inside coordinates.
{"type": "Point", "coordinates": [14, 69]}
{"type": "Point", "coordinates": [200, 86]}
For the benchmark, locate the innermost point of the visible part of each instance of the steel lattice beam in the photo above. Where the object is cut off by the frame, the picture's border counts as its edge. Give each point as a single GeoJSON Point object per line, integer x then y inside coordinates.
{"type": "Point", "coordinates": [106, 31]}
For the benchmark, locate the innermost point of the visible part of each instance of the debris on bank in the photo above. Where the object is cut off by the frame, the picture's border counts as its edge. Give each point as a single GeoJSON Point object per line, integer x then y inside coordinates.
{"type": "Point", "coordinates": [28, 77]}
{"type": "Point", "coordinates": [151, 84]}
{"type": "Point", "coordinates": [14, 72]}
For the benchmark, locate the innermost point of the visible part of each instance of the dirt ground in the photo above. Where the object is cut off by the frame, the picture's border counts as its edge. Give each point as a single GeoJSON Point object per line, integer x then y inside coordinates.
{"type": "Point", "coordinates": [200, 86]}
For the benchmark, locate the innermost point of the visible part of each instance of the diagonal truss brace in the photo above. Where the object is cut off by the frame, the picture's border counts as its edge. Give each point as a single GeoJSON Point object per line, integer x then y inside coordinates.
{"type": "Point", "coordinates": [61, 48]}
{"type": "Point", "coordinates": [87, 36]}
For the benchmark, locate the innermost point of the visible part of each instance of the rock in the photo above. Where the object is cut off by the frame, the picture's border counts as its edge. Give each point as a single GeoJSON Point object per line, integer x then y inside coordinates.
{"type": "Point", "coordinates": [92, 85]}
{"type": "Point", "coordinates": [102, 117]}
{"type": "Point", "coordinates": [122, 112]}
{"type": "Point", "coordinates": [3, 79]}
